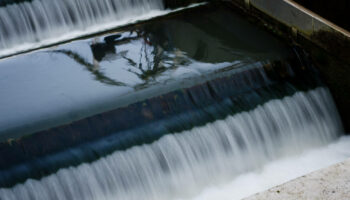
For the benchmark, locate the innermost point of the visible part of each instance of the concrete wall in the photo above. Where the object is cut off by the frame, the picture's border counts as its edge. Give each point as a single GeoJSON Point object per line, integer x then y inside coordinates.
{"type": "Point", "coordinates": [327, 43]}
{"type": "Point", "coordinates": [305, 23]}
{"type": "Point", "coordinates": [335, 11]}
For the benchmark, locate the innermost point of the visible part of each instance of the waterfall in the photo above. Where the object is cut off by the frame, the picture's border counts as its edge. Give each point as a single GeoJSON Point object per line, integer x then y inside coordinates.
{"type": "Point", "coordinates": [182, 163]}
{"type": "Point", "coordinates": [41, 22]}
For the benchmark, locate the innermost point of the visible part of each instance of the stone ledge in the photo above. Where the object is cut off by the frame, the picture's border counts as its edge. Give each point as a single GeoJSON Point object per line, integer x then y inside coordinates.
{"type": "Point", "coordinates": [332, 183]}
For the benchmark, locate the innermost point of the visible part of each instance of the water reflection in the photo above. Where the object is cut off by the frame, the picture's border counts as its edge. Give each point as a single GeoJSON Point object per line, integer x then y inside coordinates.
{"type": "Point", "coordinates": [158, 51]}
{"type": "Point", "coordinates": [93, 75]}
{"type": "Point", "coordinates": [153, 58]}
{"type": "Point", "coordinates": [93, 68]}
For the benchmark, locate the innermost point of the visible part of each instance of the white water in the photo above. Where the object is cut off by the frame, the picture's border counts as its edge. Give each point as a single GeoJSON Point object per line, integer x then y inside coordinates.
{"type": "Point", "coordinates": [39, 23]}
{"type": "Point", "coordinates": [181, 165]}
{"type": "Point", "coordinates": [278, 172]}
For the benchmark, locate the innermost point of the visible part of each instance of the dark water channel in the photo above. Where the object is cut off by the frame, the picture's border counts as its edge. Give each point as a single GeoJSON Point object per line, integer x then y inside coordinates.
{"type": "Point", "coordinates": [73, 80]}
{"type": "Point", "coordinates": [157, 110]}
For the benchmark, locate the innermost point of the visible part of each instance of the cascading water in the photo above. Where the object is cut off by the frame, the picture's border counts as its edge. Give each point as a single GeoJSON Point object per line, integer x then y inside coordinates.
{"type": "Point", "coordinates": [41, 22]}
{"type": "Point", "coordinates": [182, 163]}
{"type": "Point", "coordinates": [256, 101]}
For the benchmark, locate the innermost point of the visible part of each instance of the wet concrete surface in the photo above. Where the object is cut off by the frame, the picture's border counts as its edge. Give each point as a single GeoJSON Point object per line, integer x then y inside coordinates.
{"type": "Point", "coordinates": [332, 183]}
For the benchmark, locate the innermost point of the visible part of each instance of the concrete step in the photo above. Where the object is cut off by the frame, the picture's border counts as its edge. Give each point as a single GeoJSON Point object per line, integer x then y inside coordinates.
{"type": "Point", "coordinates": [332, 183]}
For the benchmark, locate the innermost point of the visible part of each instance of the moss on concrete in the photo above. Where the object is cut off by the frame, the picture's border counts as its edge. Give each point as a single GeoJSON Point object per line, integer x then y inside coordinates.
{"type": "Point", "coordinates": [332, 59]}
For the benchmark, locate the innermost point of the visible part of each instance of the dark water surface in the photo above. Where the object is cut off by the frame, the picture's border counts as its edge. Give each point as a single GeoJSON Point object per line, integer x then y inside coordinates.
{"type": "Point", "coordinates": [77, 79]}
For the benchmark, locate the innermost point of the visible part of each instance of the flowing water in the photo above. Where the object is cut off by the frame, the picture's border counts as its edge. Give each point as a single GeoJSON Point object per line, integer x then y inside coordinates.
{"type": "Point", "coordinates": [32, 24]}
{"type": "Point", "coordinates": [182, 163]}
{"type": "Point", "coordinates": [277, 172]}
{"type": "Point", "coordinates": [230, 105]}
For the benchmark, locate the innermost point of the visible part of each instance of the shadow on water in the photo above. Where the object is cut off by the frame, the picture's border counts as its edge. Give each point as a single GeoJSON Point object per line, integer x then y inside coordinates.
{"type": "Point", "coordinates": [153, 50]}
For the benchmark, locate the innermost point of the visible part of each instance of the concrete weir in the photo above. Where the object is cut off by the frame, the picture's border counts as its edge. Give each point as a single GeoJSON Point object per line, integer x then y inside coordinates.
{"type": "Point", "coordinates": [330, 183]}
{"type": "Point", "coordinates": [157, 135]}
{"type": "Point", "coordinates": [153, 117]}
{"type": "Point", "coordinates": [149, 113]}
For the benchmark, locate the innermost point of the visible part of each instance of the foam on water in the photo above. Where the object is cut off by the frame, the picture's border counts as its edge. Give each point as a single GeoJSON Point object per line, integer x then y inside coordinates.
{"type": "Point", "coordinates": [278, 172]}
{"type": "Point", "coordinates": [182, 164]}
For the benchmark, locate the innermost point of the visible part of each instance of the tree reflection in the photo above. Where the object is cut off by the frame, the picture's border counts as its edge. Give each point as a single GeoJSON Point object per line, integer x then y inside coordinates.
{"type": "Point", "coordinates": [156, 55]}
{"type": "Point", "coordinates": [152, 51]}
{"type": "Point", "coordinates": [90, 67]}
{"type": "Point", "coordinates": [153, 59]}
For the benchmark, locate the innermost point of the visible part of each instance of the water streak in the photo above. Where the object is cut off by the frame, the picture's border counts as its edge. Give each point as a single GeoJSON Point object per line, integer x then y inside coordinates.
{"type": "Point", "coordinates": [181, 164]}
{"type": "Point", "coordinates": [25, 24]}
